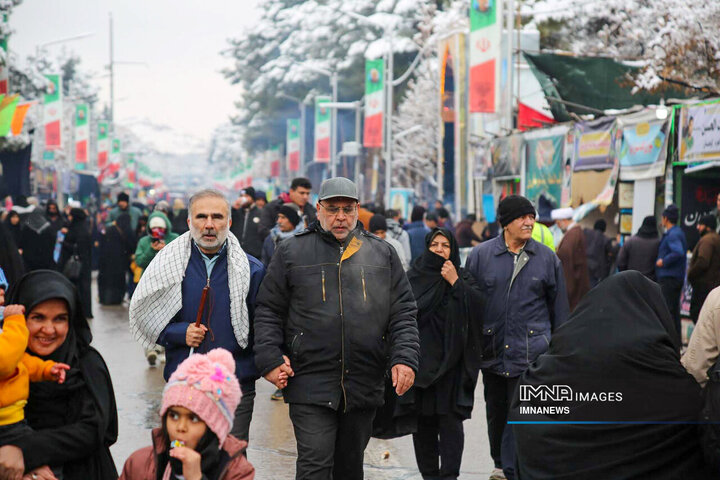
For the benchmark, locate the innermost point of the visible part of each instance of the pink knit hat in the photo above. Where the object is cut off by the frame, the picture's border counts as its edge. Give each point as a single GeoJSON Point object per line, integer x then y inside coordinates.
{"type": "Point", "coordinates": [207, 386]}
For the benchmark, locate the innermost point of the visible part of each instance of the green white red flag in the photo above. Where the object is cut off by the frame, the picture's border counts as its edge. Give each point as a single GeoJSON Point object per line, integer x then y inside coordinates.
{"type": "Point", "coordinates": [4, 69]}
{"type": "Point", "coordinates": [82, 136]}
{"type": "Point", "coordinates": [374, 103]}
{"type": "Point", "coordinates": [293, 145]}
{"type": "Point", "coordinates": [103, 144]}
{"type": "Point", "coordinates": [275, 157]}
{"type": "Point", "coordinates": [52, 112]}
{"type": "Point", "coordinates": [485, 37]}
{"type": "Point", "coordinates": [130, 168]}
{"type": "Point", "coordinates": [322, 130]}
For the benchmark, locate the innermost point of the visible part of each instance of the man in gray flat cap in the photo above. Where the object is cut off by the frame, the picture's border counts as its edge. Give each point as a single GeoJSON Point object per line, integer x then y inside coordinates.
{"type": "Point", "coordinates": [334, 307]}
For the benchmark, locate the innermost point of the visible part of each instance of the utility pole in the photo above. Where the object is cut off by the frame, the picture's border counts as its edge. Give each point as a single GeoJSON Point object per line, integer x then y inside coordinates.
{"type": "Point", "coordinates": [111, 68]}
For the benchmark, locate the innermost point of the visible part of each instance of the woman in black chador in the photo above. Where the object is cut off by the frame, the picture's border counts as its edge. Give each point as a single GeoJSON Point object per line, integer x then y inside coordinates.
{"type": "Point", "coordinates": [449, 308]}
{"type": "Point", "coordinates": [117, 246]}
{"type": "Point", "coordinates": [78, 242]}
{"type": "Point", "coordinates": [619, 354]}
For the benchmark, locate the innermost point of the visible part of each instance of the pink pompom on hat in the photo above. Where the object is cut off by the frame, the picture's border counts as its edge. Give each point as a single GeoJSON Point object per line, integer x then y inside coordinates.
{"type": "Point", "coordinates": [207, 386]}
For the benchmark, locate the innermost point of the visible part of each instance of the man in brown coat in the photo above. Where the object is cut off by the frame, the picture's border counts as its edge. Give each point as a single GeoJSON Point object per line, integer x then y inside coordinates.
{"type": "Point", "coordinates": [704, 271]}
{"type": "Point", "coordinates": [573, 255]}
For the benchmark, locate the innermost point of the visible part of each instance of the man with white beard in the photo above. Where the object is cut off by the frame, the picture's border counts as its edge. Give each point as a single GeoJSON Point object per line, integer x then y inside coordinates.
{"type": "Point", "coordinates": [198, 293]}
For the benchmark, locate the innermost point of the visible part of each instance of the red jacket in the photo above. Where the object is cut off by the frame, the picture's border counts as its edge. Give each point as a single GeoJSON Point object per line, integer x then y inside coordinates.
{"type": "Point", "coordinates": [142, 464]}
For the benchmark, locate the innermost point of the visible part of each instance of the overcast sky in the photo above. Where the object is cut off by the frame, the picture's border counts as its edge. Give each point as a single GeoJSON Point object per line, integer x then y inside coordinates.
{"type": "Point", "coordinates": [180, 40]}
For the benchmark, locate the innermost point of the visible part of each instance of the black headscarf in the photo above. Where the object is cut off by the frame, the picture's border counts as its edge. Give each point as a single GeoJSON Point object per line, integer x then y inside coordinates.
{"type": "Point", "coordinates": [35, 288]}
{"type": "Point", "coordinates": [620, 339]}
{"type": "Point", "coordinates": [87, 390]}
{"type": "Point", "coordinates": [429, 287]}
{"type": "Point", "coordinates": [442, 321]}
{"type": "Point", "coordinates": [648, 229]}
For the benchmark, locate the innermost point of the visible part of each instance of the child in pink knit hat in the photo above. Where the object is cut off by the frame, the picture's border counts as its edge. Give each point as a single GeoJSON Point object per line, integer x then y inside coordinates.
{"type": "Point", "coordinates": [197, 412]}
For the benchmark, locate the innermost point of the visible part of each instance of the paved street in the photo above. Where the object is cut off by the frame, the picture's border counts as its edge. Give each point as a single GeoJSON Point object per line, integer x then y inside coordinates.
{"type": "Point", "coordinates": [138, 391]}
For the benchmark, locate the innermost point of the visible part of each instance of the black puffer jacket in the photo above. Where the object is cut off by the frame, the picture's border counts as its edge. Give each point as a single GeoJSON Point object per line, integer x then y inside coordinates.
{"type": "Point", "coordinates": [342, 314]}
{"type": "Point", "coordinates": [249, 231]}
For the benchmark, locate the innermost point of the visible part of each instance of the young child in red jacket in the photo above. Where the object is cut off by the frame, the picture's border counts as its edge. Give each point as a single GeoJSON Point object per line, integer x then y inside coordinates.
{"type": "Point", "coordinates": [197, 413]}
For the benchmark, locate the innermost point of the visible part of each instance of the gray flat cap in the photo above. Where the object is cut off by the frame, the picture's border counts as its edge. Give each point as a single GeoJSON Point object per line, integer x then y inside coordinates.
{"type": "Point", "coordinates": [338, 187]}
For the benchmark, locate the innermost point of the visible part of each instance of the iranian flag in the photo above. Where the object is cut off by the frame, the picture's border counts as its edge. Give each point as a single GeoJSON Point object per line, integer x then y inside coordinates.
{"type": "Point", "coordinates": [293, 145]}
{"type": "Point", "coordinates": [322, 130]}
{"type": "Point", "coordinates": [115, 156]}
{"type": "Point", "coordinates": [374, 103]}
{"type": "Point", "coordinates": [4, 69]}
{"type": "Point", "coordinates": [103, 144]}
{"type": "Point", "coordinates": [131, 173]}
{"type": "Point", "coordinates": [52, 112]}
{"type": "Point", "coordinates": [82, 136]}
{"type": "Point", "coordinates": [485, 36]}
{"type": "Point", "coordinates": [275, 157]}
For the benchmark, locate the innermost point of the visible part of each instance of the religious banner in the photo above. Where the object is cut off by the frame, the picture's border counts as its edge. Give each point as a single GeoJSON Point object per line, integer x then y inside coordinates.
{"type": "Point", "coordinates": [52, 112]}
{"type": "Point", "coordinates": [506, 153]}
{"type": "Point", "coordinates": [374, 103]}
{"type": "Point", "coordinates": [699, 132]}
{"type": "Point", "coordinates": [698, 198]}
{"type": "Point", "coordinates": [595, 144]}
{"type": "Point", "coordinates": [544, 173]}
{"type": "Point", "coordinates": [644, 146]}
{"type": "Point", "coordinates": [103, 144]}
{"type": "Point", "coordinates": [485, 37]}
{"type": "Point", "coordinates": [322, 130]}
{"type": "Point", "coordinates": [82, 136]}
{"type": "Point", "coordinates": [293, 145]}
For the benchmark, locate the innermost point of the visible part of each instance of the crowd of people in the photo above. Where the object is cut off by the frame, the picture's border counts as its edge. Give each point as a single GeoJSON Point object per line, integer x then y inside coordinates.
{"type": "Point", "coordinates": [367, 325]}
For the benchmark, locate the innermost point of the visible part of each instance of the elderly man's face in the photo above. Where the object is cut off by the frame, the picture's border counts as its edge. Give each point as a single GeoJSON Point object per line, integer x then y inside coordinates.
{"type": "Point", "coordinates": [209, 223]}
{"type": "Point", "coordinates": [338, 216]}
{"type": "Point", "coordinates": [521, 228]}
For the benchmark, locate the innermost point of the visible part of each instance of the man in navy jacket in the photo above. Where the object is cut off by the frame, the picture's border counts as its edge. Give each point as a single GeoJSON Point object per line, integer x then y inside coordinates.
{"type": "Point", "coordinates": [215, 260]}
{"type": "Point", "coordinates": [526, 302]}
{"type": "Point", "coordinates": [671, 262]}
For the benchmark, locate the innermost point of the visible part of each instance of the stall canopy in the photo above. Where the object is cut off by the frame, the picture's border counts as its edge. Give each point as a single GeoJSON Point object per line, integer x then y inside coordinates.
{"type": "Point", "coordinates": [595, 82]}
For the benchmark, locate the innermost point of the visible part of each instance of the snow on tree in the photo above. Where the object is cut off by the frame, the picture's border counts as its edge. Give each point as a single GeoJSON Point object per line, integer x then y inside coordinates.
{"type": "Point", "coordinates": [674, 39]}
{"type": "Point", "coordinates": [267, 58]}
{"type": "Point", "coordinates": [415, 154]}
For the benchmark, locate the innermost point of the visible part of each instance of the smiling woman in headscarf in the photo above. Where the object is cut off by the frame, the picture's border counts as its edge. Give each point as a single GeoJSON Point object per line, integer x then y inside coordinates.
{"type": "Point", "coordinates": [75, 422]}
{"type": "Point", "coordinates": [619, 354]}
{"type": "Point", "coordinates": [442, 397]}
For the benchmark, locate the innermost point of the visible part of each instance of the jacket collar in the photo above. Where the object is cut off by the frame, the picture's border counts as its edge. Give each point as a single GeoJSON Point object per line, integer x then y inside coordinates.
{"type": "Point", "coordinates": [500, 247]}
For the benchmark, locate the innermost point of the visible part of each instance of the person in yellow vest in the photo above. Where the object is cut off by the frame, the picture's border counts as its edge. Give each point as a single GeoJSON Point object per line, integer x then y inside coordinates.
{"type": "Point", "coordinates": [542, 234]}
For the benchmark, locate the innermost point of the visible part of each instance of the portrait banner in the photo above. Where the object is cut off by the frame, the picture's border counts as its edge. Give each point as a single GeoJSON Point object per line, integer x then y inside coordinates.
{"type": "Point", "coordinates": [699, 133]}
{"type": "Point", "coordinates": [544, 172]}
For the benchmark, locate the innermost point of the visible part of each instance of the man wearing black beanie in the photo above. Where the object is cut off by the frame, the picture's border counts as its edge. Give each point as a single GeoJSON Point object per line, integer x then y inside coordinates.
{"type": "Point", "coordinates": [123, 206]}
{"type": "Point", "coordinates": [526, 301]}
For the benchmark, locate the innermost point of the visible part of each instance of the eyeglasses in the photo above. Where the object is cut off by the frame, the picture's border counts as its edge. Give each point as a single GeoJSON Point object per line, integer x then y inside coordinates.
{"type": "Point", "coordinates": [349, 210]}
